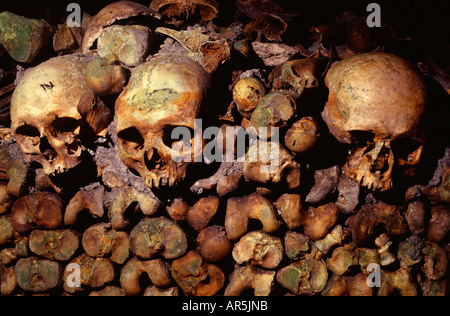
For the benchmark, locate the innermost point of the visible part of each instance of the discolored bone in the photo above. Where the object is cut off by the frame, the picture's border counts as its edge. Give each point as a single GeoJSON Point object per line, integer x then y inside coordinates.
{"type": "Point", "coordinates": [95, 273]}
{"type": "Point", "coordinates": [325, 182]}
{"type": "Point", "coordinates": [372, 109]}
{"type": "Point", "coordinates": [383, 244]}
{"type": "Point", "coordinates": [49, 111]}
{"type": "Point", "coordinates": [348, 286]}
{"type": "Point", "coordinates": [247, 93]}
{"type": "Point", "coordinates": [101, 241]}
{"type": "Point", "coordinates": [400, 281]}
{"type": "Point", "coordinates": [23, 38]}
{"type": "Point", "coordinates": [415, 216]}
{"type": "Point", "coordinates": [43, 183]}
{"type": "Point", "coordinates": [269, 25]}
{"type": "Point", "coordinates": [349, 191]}
{"type": "Point", "coordinates": [152, 235]}
{"type": "Point", "coordinates": [109, 291]}
{"type": "Point", "coordinates": [178, 210]}
{"type": "Point", "coordinates": [104, 77]}
{"type": "Point", "coordinates": [259, 248]}
{"type": "Point", "coordinates": [269, 162]}
{"type": "Point", "coordinates": [163, 94]}
{"type": "Point", "coordinates": [5, 200]}
{"type": "Point", "coordinates": [297, 75]}
{"type": "Point", "coordinates": [318, 221]}
{"type": "Point", "coordinates": [54, 245]}
{"type": "Point", "coordinates": [209, 47]}
{"type": "Point", "coordinates": [331, 240]}
{"type": "Point", "coordinates": [14, 169]}
{"type": "Point", "coordinates": [90, 198]}
{"type": "Point", "coordinates": [155, 291]}
{"type": "Point", "coordinates": [439, 224]}
{"type": "Point", "coordinates": [436, 262]}
{"type": "Point", "coordinates": [7, 280]}
{"type": "Point", "coordinates": [275, 109]}
{"type": "Point", "coordinates": [410, 251]}
{"type": "Point", "coordinates": [226, 179]}
{"type": "Point", "coordinates": [128, 44]}
{"type": "Point", "coordinates": [108, 15]}
{"type": "Point", "coordinates": [203, 10]}
{"type": "Point", "coordinates": [249, 277]}
{"type": "Point", "coordinates": [199, 215]}
{"type": "Point", "coordinates": [274, 54]}
{"type": "Point", "coordinates": [6, 231]}
{"type": "Point", "coordinates": [241, 210]}
{"type": "Point", "coordinates": [434, 288]}
{"type": "Point", "coordinates": [64, 40]}
{"type": "Point", "coordinates": [157, 271]}
{"type": "Point", "coordinates": [315, 221]}
{"type": "Point", "coordinates": [363, 223]}
{"type": "Point", "coordinates": [37, 275]}
{"type": "Point", "coordinates": [342, 259]}
{"type": "Point", "coordinates": [305, 277]}
{"type": "Point", "coordinates": [196, 277]}
{"type": "Point", "coordinates": [296, 245]}
{"type": "Point", "coordinates": [302, 136]}
{"type": "Point", "coordinates": [124, 197]}
{"type": "Point", "coordinates": [290, 208]}
{"type": "Point", "coordinates": [41, 210]}
{"type": "Point", "coordinates": [213, 244]}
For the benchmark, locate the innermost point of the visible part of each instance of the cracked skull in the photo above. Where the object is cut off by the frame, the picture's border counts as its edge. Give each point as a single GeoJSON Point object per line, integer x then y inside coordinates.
{"type": "Point", "coordinates": [163, 94]}
{"type": "Point", "coordinates": [45, 113]}
{"type": "Point", "coordinates": [376, 103]}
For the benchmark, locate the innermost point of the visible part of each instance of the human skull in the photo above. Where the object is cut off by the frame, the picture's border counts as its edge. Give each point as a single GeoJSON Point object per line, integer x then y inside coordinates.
{"type": "Point", "coordinates": [165, 93]}
{"type": "Point", "coordinates": [376, 103]}
{"type": "Point", "coordinates": [45, 114]}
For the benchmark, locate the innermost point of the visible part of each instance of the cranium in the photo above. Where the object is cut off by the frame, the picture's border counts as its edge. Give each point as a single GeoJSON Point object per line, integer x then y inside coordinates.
{"type": "Point", "coordinates": [206, 10]}
{"type": "Point", "coordinates": [48, 109]}
{"type": "Point", "coordinates": [164, 93]}
{"type": "Point", "coordinates": [376, 103]}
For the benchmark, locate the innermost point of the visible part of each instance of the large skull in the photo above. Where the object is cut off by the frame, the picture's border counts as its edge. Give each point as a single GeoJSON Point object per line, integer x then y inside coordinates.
{"type": "Point", "coordinates": [163, 94]}
{"type": "Point", "coordinates": [376, 103]}
{"type": "Point", "coordinates": [45, 113]}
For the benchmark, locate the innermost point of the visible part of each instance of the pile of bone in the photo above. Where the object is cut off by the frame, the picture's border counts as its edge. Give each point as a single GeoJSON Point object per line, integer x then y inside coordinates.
{"type": "Point", "coordinates": [80, 210]}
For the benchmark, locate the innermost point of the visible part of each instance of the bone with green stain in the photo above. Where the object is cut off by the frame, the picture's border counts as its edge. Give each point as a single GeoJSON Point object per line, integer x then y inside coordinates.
{"type": "Point", "coordinates": [21, 37]}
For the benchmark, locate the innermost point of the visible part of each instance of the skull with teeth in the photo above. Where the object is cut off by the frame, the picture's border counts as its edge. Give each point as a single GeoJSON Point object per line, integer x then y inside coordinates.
{"type": "Point", "coordinates": [163, 94]}
{"type": "Point", "coordinates": [47, 113]}
{"type": "Point", "coordinates": [376, 103]}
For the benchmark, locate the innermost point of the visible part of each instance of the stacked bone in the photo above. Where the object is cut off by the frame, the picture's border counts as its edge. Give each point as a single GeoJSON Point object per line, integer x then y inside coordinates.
{"type": "Point", "coordinates": [95, 198]}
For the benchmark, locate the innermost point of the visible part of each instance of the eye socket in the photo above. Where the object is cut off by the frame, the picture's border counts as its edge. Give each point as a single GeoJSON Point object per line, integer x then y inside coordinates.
{"type": "Point", "coordinates": [179, 136]}
{"type": "Point", "coordinates": [28, 131]}
{"type": "Point", "coordinates": [29, 135]}
{"type": "Point", "coordinates": [404, 148]}
{"type": "Point", "coordinates": [362, 137]}
{"type": "Point", "coordinates": [65, 125]}
{"type": "Point", "coordinates": [131, 139]}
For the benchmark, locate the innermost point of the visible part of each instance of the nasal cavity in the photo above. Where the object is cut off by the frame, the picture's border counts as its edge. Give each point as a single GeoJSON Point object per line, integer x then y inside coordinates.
{"type": "Point", "coordinates": [47, 150]}
{"type": "Point", "coordinates": [153, 160]}
{"type": "Point", "coordinates": [382, 162]}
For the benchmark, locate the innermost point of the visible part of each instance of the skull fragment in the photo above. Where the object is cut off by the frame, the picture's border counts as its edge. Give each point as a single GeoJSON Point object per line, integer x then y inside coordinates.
{"type": "Point", "coordinates": [205, 10]}
{"type": "Point", "coordinates": [48, 110]}
{"type": "Point", "coordinates": [376, 104]}
{"type": "Point", "coordinates": [165, 93]}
